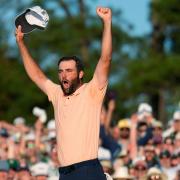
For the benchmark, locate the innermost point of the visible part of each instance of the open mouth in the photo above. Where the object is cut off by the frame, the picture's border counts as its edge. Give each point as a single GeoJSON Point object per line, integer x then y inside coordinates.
{"type": "Point", "coordinates": [65, 83]}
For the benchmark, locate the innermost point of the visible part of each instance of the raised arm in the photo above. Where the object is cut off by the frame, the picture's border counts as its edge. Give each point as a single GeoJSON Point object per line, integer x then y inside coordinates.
{"type": "Point", "coordinates": [103, 66]}
{"type": "Point", "coordinates": [32, 69]}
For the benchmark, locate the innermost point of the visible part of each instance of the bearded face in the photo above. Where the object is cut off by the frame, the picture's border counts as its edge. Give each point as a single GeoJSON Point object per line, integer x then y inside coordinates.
{"type": "Point", "coordinates": [69, 77]}
{"type": "Point", "coordinates": [69, 86]}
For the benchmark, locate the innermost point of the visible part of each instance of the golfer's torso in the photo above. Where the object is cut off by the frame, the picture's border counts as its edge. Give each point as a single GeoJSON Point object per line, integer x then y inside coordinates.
{"type": "Point", "coordinates": [77, 126]}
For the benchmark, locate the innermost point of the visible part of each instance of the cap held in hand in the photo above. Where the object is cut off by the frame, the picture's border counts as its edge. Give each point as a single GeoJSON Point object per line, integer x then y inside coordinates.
{"type": "Point", "coordinates": [40, 113]}
{"type": "Point", "coordinates": [31, 19]}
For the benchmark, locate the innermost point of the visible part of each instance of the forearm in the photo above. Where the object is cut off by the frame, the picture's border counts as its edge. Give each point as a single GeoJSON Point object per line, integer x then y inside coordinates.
{"type": "Point", "coordinates": [103, 66]}
{"type": "Point", "coordinates": [133, 141]}
{"type": "Point", "coordinates": [8, 126]}
{"type": "Point", "coordinates": [106, 49]}
{"type": "Point", "coordinates": [108, 119]}
{"type": "Point", "coordinates": [11, 149]}
{"type": "Point", "coordinates": [37, 139]}
{"type": "Point", "coordinates": [31, 67]}
{"type": "Point", "coordinates": [22, 145]}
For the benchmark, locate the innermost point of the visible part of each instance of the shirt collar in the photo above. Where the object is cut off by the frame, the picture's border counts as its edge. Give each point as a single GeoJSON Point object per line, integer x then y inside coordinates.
{"type": "Point", "coordinates": [78, 91]}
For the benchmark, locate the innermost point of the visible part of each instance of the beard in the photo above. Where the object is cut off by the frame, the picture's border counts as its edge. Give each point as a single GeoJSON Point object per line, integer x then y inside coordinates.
{"type": "Point", "coordinates": [73, 85]}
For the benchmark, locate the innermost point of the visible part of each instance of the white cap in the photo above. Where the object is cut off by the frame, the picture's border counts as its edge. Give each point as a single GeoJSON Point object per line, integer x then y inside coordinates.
{"type": "Point", "coordinates": [30, 136]}
{"type": "Point", "coordinates": [31, 19]}
{"type": "Point", "coordinates": [51, 135]}
{"type": "Point", "coordinates": [123, 152]}
{"type": "Point", "coordinates": [153, 170]}
{"type": "Point", "coordinates": [19, 120]}
{"type": "Point", "coordinates": [40, 169]}
{"type": "Point", "coordinates": [139, 160]}
{"type": "Point", "coordinates": [122, 172]}
{"type": "Point", "coordinates": [156, 123]}
{"type": "Point", "coordinates": [37, 16]}
{"type": "Point", "coordinates": [40, 113]}
{"type": "Point", "coordinates": [103, 154]}
{"type": "Point", "coordinates": [51, 124]}
{"type": "Point", "coordinates": [176, 115]}
{"type": "Point", "coordinates": [51, 127]}
{"type": "Point", "coordinates": [144, 107]}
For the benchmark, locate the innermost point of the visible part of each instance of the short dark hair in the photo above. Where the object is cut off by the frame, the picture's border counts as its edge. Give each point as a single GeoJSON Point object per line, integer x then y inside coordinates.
{"type": "Point", "coordinates": [141, 123]}
{"type": "Point", "coordinates": [79, 63]}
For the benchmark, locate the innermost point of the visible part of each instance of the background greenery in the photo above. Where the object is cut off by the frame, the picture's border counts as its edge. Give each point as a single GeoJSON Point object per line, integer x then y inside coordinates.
{"type": "Point", "coordinates": [145, 68]}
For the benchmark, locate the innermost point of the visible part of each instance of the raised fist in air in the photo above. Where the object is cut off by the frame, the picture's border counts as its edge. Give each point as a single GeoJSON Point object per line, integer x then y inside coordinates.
{"type": "Point", "coordinates": [104, 13]}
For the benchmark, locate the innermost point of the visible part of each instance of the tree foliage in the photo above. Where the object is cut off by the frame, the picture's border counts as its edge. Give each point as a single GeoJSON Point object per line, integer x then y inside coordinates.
{"type": "Point", "coordinates": [143, 68]}
{"type": "Point", "coordinates": [72, 29]}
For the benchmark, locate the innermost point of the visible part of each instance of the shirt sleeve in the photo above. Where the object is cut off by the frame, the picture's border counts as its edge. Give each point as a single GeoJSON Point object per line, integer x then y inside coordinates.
{"type": "Point", "coordinates": [51, 90]}
{"type": "Point", "coordinates": [96, 92]}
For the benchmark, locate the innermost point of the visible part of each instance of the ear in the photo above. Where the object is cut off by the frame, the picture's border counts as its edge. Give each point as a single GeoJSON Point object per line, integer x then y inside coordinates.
{"type": "Point", "coordinates": [81, 74]}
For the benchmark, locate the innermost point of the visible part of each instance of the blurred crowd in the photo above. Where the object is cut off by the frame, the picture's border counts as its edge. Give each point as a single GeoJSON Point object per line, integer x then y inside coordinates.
{"type": "Point", "coordinates": [28, 153]}
{"type": "Point", "coordinates": [136, 147]}
{"type": "Point", "coordinates": [140, 147]}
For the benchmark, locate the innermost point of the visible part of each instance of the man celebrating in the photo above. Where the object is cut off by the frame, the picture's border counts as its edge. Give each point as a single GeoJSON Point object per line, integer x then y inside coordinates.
{"type": "Point", "coordinates": [77, 105]}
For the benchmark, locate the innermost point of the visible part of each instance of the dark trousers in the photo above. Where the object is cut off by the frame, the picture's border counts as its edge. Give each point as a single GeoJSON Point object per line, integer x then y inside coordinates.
{"type": "Point", "coordinates": [86, 170]}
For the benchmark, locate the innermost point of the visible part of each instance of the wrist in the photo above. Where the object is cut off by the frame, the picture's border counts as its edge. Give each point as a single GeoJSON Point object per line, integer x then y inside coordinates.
{"type": "Point", "coordinates": [107, 21]}
{"type": "Point", "coordinates": [20, 43]}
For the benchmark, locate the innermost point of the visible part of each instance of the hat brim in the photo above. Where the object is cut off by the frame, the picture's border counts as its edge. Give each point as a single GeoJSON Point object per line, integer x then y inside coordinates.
{"type": "Point", "coordinates": [118, 178]}
{"type": "Point", "coordinates": [25, 26]}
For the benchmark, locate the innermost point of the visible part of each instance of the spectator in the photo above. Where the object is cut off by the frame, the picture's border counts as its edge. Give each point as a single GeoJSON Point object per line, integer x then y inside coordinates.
{"type": "Point", "coordinates": [122, 174]}
{"type": "Point", "coordinates": [174, 126]}
{"type": "Point", "coordinates": [155, 174]}
{"type": "Point", "coordinates": [165, 160]}
{"type": "Point", "coordinates": [107, 166]}
{"type": "Point", "coordinates": [4, 169]}
{"type": "Point", "coordinates": [151, 157]}
{"type": "Point", "coordinates": [168, 144]}
{"type": "Point", "coordinates": [177, 142]}
{"type": "Point", "coordinates": [139, 166]}
{"type": "Point", "coordinates": [144, 133]}
{"type": "Point", "coordinates": [107, 140]}
{"type": "Point", "coordinates": [175, 160]}
{"type": "Point", "coordinates": [157, 130]}
{"type": "Point", "coordinates": [123, 159]}
{"type": "Point", "coordinates": [14, 168]}
{"type": "Point", "coordinates": [124, 128]}
{"type": "Point", "coordinates": [176, 123]}
{"type": "Point", "coordinates": [40, 171]}
{"type": "Point", "coordinates": [177, 176]}
{"type": "Point", "coordinates": [24, 173]}
{"type": "Point", "coordinates": [53, 164]}
{"type": "Point", "coordinates": [145, 113]}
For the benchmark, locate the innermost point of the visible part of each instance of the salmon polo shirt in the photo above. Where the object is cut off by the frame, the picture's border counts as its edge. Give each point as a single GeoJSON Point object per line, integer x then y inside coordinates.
{"type": "Point", "coordinates": [77, 120]}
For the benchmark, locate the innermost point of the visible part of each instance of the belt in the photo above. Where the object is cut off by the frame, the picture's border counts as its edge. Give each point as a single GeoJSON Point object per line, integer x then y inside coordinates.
{"type": "Point", "coordinates": [73, 167]}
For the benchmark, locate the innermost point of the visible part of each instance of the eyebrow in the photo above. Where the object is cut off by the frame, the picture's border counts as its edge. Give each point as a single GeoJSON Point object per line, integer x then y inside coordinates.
{"type": "Point", "coordinates": [59, 70]}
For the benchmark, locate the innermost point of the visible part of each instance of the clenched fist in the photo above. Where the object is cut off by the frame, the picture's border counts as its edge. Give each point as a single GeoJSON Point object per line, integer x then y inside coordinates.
{"type": "Point", "coordinates": [104, 13]}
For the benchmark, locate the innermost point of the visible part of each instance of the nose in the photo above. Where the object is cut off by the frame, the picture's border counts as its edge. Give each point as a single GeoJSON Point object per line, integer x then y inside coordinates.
{"type": "Point", "coordinates": [63, 75]}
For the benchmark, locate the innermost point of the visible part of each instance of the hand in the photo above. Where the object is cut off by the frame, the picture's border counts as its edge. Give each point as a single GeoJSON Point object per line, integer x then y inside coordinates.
{"type": "Point", "coordinates": [149, 119]}
{"type": "Point", "coordinates": [104, 13]}
{"type": "Point", "coordinates": [19, 35]}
